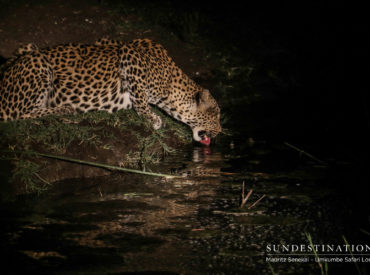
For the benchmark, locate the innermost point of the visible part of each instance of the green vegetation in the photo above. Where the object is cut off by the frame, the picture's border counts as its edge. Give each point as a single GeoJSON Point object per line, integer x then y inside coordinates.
{"type": "Point", "coordinates": [102, 133]}
{"type": "Point", "coordinates": [356, 264]}
{"type": "Point", "coordinates": [323, 266]}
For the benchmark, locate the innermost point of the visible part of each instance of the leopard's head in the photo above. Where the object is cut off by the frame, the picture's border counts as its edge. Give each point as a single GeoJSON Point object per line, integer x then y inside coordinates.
{"type": "Point", "coordinates": [204, 117]}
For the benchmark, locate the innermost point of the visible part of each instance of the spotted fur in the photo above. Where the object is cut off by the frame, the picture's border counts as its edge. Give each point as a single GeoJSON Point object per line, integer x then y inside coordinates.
{"type": "Point", "coordinates": [108, 75]}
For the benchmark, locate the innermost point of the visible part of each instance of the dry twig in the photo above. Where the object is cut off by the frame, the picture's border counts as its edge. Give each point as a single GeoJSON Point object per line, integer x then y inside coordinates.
{"type": "Point", "coordinates": [245, 198]}
{"type": "Point", "coordinates": [257, 201]}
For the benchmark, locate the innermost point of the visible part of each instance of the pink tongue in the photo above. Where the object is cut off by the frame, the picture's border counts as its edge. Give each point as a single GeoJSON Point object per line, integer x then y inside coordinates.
{"type": "Point", "coordinates": [206, 141]}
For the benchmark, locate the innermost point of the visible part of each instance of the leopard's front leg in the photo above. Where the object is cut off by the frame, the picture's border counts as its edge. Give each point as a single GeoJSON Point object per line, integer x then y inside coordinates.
{"type": "Point", "coordinates": [140, 103]}
{"type": "Point", "coordinates": [133, 76]}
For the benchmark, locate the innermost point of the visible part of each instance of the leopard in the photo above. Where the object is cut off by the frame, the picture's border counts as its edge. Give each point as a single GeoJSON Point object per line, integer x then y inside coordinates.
{"type": "Point", "coordinates": [108, 75]}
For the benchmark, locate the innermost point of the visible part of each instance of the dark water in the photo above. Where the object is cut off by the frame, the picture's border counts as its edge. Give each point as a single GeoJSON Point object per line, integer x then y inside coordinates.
{"type": "Point", "coordinates": [124, 224]}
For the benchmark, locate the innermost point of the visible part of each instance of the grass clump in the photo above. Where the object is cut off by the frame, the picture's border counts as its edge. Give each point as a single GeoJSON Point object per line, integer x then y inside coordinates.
{"type": "Point", "coordinates": [49, 133]}
{"type": "Point", "coordinates": [323, 266]}
{"type": "Point", "coordinates": [123, 135]}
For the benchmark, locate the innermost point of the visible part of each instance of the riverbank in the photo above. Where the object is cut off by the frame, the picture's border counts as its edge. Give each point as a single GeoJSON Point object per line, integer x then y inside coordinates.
{"type": "Point", "coordinates": [122, 139]}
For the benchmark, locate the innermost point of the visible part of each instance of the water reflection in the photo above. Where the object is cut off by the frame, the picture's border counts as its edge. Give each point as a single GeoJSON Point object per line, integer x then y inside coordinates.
{"type": "Point", "coordinates": [188, 225]}
{"type": "Point", "coordinates": [120, 218]}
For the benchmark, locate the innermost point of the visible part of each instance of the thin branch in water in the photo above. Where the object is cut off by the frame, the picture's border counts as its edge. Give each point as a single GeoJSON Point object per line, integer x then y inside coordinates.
{"type": "Point", "coordinates": [305, 153]}
{"type": "Point", "coordinates": [245, 199]}
{"type": "Point", "coordinates": [96, 164]}
{"type": "Point", "coordinates": [256, 202]}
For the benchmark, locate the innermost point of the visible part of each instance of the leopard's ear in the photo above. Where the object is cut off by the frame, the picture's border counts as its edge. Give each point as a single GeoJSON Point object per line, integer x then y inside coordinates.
{"type": "Point", "coordinates": [202, 97]}
{"type": "Point", "coordinates": [205, 95]}
{"type": "Point", "coordinates": [203, 100]}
